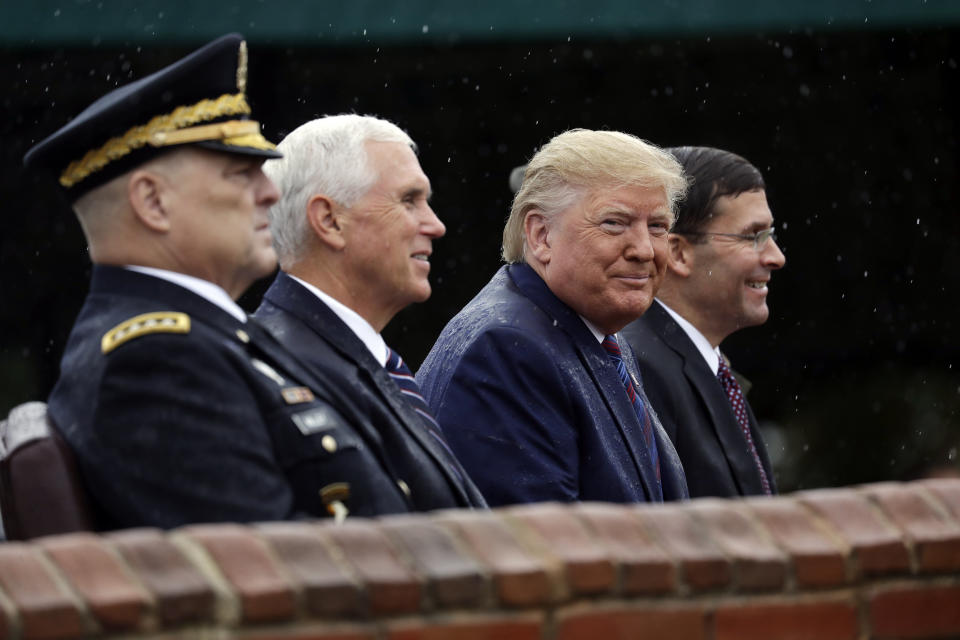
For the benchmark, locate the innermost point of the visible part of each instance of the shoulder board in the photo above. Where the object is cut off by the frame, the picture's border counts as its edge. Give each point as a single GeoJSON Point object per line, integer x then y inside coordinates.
{"type": "Point", "coordinates": [155, 322]}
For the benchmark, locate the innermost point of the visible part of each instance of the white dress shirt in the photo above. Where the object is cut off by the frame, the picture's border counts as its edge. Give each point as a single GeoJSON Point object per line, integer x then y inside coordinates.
{"type": "Point", "coordinates": [210, 292]}
{"type": "Point", "coordinates": [367, 334]}
{"type": "Point", "coordinates": [709, 353]}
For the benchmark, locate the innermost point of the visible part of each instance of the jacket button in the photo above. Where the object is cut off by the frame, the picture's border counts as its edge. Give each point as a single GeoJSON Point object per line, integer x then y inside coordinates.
{"type": "Point", "coordinates": [403, 487]}
{"type": "Point", "coordinates": [329, 443]}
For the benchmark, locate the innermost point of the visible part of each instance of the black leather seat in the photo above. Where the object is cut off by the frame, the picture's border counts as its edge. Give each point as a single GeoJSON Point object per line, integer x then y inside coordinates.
{"type": "Point", "coordinates": [40, 490]}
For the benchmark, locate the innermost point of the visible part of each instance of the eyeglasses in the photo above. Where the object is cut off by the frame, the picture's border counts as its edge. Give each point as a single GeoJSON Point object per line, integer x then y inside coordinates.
{"type": "Point", "coordinates": [758, 239]}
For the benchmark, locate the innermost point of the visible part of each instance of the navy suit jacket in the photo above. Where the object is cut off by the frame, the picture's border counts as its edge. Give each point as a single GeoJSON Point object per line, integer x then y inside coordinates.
{"type": "Point", "coordinates": [308, 327]}
{"type": "Point", "coordinates": [217, 423]}
{"type": "Point", "coordinates": [532, 405]}
{"type": "Point", "coordinates": [694, 409]}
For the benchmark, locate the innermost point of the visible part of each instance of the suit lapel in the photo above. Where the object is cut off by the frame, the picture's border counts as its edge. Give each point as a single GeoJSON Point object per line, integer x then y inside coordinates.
{"type": "Point", "coordinates": [705, 384]}
{"type": "Point", "coordinates": [289, 295]}
{"type": "Point", "coordinates": [598, 366]}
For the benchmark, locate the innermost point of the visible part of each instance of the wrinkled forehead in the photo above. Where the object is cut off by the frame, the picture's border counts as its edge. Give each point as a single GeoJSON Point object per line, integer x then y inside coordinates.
{"type": "Point", "coordinates": [635, 198]}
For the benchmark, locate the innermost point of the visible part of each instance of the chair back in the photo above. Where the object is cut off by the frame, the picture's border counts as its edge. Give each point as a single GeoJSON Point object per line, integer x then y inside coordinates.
{"type": "Point", "coordinates": [40, 489]}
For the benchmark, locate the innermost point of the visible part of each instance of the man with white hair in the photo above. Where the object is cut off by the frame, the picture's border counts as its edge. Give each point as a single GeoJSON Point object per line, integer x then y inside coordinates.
{"type": "Point", "coordinates": [353, 232]}
{"type": "Point", "coordinates": [540, 398]}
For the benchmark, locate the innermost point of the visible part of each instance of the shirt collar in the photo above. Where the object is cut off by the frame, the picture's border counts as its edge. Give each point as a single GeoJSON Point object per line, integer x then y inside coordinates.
{"type": "Point", "coordinates": [599, 335]}
{"type": "Point", "coordinates": [709, 353]}
{"type": "Point", "coordinates": [204, 288]}
{"type": "Point", "coordinates": [360, 327]}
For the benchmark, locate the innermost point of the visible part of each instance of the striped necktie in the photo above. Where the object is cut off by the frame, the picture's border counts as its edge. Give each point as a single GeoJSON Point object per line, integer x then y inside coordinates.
{"type": "Point", "coordinates": [643, 412]}
{"type": "Point", "coordinates": [739, 406]}
{"type": "Point", "coordinates": [402, 375]}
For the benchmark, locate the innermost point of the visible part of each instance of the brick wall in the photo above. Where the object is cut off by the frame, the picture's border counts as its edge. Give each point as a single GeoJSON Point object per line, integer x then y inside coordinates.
{"type": "Point", "coordinates": [878, 561]}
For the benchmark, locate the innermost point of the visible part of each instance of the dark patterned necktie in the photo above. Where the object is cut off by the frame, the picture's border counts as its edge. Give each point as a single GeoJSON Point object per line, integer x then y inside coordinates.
{"type": "Point", "coordinates": [402, 375]}
{"type": "Point", "coordinates": [738, 404]}
{"type": "Point", "coordinates": [643, 412]}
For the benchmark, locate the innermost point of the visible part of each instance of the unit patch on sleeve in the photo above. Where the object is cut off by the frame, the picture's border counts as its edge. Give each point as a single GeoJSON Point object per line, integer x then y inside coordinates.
{"type": "Point", "coordinates": [296, 395]}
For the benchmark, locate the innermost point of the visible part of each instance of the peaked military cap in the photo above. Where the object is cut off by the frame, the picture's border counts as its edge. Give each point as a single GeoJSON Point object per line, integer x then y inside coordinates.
{"type": "Point", "coordinates": [198, 100]}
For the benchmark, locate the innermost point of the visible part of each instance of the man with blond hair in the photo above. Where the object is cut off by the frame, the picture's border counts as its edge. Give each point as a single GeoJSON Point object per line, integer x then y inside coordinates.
{"type": "Point", "coordinates": [539, 397]}
{"type": "Point", "coordinates": [354, 232]}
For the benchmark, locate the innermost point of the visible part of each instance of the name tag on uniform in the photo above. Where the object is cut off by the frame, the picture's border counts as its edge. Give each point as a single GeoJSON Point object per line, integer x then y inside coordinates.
{"type": "Point", "coordinates": [314, 420]}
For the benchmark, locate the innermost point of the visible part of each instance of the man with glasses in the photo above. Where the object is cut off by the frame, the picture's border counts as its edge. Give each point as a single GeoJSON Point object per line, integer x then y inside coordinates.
{"type": "Point", "coordinates": [722, 252]}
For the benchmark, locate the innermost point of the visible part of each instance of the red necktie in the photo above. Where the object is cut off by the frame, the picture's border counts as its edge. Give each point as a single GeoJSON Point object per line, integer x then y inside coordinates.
{"type": "Point", "coordinates": [643, 414]}
{"type": "Point", "coordinates": [739, 406]}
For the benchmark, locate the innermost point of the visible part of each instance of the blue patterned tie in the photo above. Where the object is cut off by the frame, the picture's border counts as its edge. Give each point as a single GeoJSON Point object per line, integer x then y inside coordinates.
{"type": "Point", "coordinates": [643, 413]}
{"type": "Point", "coordinates": [739, 406]}
{"type": "Point", "coordinates": [402, 375]}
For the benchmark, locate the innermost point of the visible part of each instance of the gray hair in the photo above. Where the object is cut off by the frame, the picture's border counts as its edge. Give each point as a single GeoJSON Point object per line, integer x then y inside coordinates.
{"type": "Point", "coordinates": [329, 156]}
{"type": "Point", "coordinates": [580, 160]}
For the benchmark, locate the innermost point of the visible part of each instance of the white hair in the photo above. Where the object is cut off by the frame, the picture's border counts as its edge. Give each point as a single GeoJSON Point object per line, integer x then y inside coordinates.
{"type": "Point", "coordinates": [327, 156]}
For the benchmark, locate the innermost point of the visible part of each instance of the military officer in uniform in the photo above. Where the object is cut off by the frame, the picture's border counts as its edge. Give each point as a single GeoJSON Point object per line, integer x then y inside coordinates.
{"type": "Point", "coordinates": [178, 408]}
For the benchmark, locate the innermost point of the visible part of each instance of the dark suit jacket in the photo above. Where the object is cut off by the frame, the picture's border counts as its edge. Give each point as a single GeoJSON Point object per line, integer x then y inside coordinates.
{"type": "Point", "coordinates": [694, 409]}
{"type": "Point", "coordinates": [220, 423]}
{"type": "Point", "coordinates": [532, 404]}
{"type": "Point", "coordinates": [308, 327]}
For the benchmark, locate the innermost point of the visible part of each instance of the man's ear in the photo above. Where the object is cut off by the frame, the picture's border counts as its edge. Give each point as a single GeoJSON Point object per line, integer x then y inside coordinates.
{"type": "Point", "coordinates": [537, 234]}
{"type": "Point", "coordinates": [146, 192]}
{"type": "Point", "coordinates": [325, 216]}
{"type": "Point", "coordinates": [680, 255]}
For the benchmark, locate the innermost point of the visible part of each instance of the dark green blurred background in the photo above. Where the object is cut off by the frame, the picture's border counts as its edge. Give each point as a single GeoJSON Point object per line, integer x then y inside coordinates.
{"type": "Point", "coordinates": [851, 109]}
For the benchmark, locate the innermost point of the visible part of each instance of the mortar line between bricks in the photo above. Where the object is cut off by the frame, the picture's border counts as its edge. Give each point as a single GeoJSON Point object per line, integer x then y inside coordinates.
{"type": "Point", "coordinates": [851, 564]}
{"type": "Point", "coordinates": [150, 620]}
{"type": "Point", "coordinates": [91, 626]}
{"type": "Point", "coordinates": [12, 615]}
{"type": "Point", "coordinates": [487, 573]}
{"type": "Point", "coordinates": [227, 609]}
{"type": "Point", "coordinates": [863, 615]}
{"type": "Point", "coordinates": [873, 503]}
{"type": "Point", "coordinates": [939, 507]}
{"type": "Point", "coordinates": [299, 594]}
{"type": "Point", "coordinates": [339, 557]}
{"type": "Point", "coordinates": [682, 588]}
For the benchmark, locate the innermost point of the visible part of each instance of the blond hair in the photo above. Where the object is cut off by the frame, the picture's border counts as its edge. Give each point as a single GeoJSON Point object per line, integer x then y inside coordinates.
{"type": "Point", "coordinates": [579, 161]}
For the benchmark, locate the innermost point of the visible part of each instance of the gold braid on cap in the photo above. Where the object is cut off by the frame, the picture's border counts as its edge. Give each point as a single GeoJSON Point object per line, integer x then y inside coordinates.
{"type": "Point", "coordinates": [174, 128]}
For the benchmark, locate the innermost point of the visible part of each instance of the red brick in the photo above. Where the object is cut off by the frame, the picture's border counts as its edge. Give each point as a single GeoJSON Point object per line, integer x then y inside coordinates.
{"type": "Point", "coordinates": [325, 631]}
{"type": "Point", "coordinates": [45, 610]}
{"type": "Point", "coordinates": [519, 578]}
{"type": "Point", "coordinates": [328, 590]}
{"type": "Point", "coordinates": [818, 561]}
{"type": "Point", "coordinates": [826, 619]}
{"type": "Point", "coordinates": [877, 546]}
{"type": "Point", "coordinates": [470, 627]}
{"type": "Point", "coordinates": [664, 622]}
{"type": "Point", "coordinates": [264, 593]}
{"type": "Point", "coordinates": [390, 586]}
{"type": "Point", "coordinates": [935, 537]}
{"type": "Point", "coordinates": [100, 579]}
{"type": "Point", "coordinates": [702, 563]}
{"type": "Point", "coordinates": [915, 611]}
{"type": "Point", "coordinates": [181, 593]}
{"type": "Point", "coordinates": [946, 491]}
{"type": "Point", "coordinates": [643, 566]}
{"type": "Point", "coordinates": [587, 567]}
{"type": "Point", "coordinates": [757, 562]}
{"type": "Point", "coordinates": [454, 578]}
